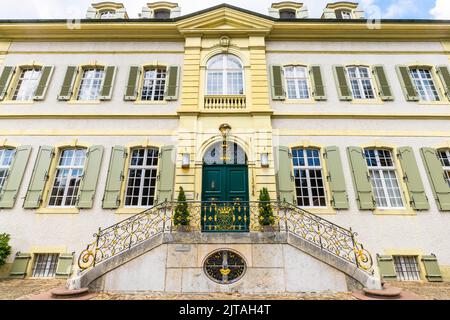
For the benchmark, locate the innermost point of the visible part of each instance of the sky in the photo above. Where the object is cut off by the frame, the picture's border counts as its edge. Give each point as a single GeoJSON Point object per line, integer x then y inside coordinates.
{"type": "Point", "coordinates": [387, 9]}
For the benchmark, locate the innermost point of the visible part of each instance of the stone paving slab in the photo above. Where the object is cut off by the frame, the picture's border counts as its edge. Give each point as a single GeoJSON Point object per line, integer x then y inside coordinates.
{"type": "Point", "coordinates": [12, 289]}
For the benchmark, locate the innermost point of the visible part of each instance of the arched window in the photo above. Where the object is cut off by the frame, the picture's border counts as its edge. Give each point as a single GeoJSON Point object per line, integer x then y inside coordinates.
{"type": "Point", "coordinates": [287, 14]}
{"type": "Point", "coordinates": [218, 153]}
{"type": "Point", "coordinates": [225, 75]}
{"type": "Point", "coordinates": [162, 14]}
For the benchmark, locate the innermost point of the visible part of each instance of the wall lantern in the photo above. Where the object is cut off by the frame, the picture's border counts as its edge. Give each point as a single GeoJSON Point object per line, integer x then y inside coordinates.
{"type": "Point", "coordinates": [225, 130]}
{"type": "Point", "coordinates": [185, 160]}
{"type": "Point", "coordinates": [264, 160]}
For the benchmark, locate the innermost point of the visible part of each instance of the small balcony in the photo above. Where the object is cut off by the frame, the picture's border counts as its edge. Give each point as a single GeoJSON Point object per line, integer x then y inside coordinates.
{"type": "Point", "coordinates": [225, 102]}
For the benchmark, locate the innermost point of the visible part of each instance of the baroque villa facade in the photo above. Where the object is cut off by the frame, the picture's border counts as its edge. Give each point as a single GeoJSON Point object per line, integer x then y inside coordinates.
{"type": "Point", "coordinates": [347, 123]}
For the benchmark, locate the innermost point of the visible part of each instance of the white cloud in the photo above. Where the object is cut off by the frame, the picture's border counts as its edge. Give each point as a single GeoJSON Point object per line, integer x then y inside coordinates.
{"type": "Point", "coordinates": [441, 9]}
{"type": "Point", "coordinates": [400, 8]}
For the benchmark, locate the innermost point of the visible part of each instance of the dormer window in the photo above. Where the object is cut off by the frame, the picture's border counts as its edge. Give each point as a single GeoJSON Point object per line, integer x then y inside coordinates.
{"type": "Point", "coordinates": [343, 14]}
{"type": "Point", "coordinates": [162, 14]}
{"type": "Point", "coordinates": [287, 14]}
{"type": "Point", "coordinates": [108, 14]}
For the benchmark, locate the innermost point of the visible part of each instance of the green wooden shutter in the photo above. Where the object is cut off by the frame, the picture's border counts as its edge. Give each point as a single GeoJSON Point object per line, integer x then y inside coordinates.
{"type": "Point", "coordinates": [385, 91]}
{"type": "Point", "coordinates": [444, 75]}
{"type": "Point", "coordinates": [386, 267]}
{"type": "Point", "coordinates": [407, 84]}
{"type": "Point", "coordinates": [41, 90]}
{"type": "Point", "coordinates": [5, 80]}
{"type": "Point", "coordinates": [20, 265]}
{"type": "Point", "coordinates": [361, 179]}
{"type": "Point", "coordinates": [317, 83]}
{"type": "Point", "coordinates": [166, 175]}
{"type": "Point", "coordinates": [335, 175]}
{"type": "Point", "coordinates": [64, 266]}
{"type": "Point", "coordinates": [69, 80]}
{"type": "Point", "coordinates": [14, 179]}
{"type": "Point", "coordinates": [435, 172]}
{"type": "Point", "coordinates": [39, 177]}
{"type": "Point", "coordinates": [412, 179]}
{"type": "Point", "coordinates": [131, 91]}
{"type": "Point", "coordinates": [432, 270]}
{"type": "Point", "coordinates": [111, 198]}
{"type": "Point", "coordinates": [88, 183]}
{"type": "Point", "coordinates": [284, 178]}
{"type": "Point", "coordinates": [108, 83]}
{"type": "Point", "coordinates": [172, 83]}
{"type": "Point", "coordinates": [277, 82]}
{"type": "Point", "coordinates": [343, 87]}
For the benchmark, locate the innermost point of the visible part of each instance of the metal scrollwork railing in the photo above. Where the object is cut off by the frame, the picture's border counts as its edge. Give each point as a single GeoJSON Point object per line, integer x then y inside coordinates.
{"type": "Point", "coordinates": [219, 216]}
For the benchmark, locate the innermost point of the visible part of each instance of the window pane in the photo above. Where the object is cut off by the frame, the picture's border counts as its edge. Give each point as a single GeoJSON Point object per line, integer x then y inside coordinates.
{"type": "Point", "coordinates": [225, 75]}
{"type": "Point", "coordinates": [27, 84]}
{"type": "Point", "coordinates": [361, 82]}
{"type": "Point", "coordinates": [423, 81]}
{"type": "Point", "coordinates": [297, 82]}
{"type": "Point", "coordinates": [6, 158]}
{"type": "Point", "coordinates": [154, 83]}
{"type": "Point", "coordinates": [90, 84]}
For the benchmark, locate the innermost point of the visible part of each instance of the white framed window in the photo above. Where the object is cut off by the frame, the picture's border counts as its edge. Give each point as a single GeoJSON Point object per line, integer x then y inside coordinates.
{"type": "Point", "coordinates": [287, 14]}
{"type": "Point", "coordinates": [69, 171]}
{"type": "Point", "coordinates": [6, 158]}
{"type": "Point", "coordinates": [27, 84]}
{"type": "Point", "coordinates": [444, 156]}
{"type": "Point", "coordinates": [225, 75]}
{"type": "Point", "coordinates": [308, 176]}
{"type": "Point", "coordinates": [162, 14]}
{"type": "Point", "coordinates": [142, 175]}
{"type": "Point", "coordinates": [297, 82]}
{"type": "Point", "coordinates": [90, 84]}
{"type": "Point", "coordinates": [424, 82]}
{"type": "Point", "coordinates": [407, 268]}
{"type": "Point", "coordinates": [346, 14]}
{"type": "Point", "coordinates": [45, 264]}
{"type": "Point", "coordinates": [153, 85]}
{"type": "Point", "coordinates": [383, 177]}
{"type": "Point", "coordinates": [361, 82]}
{"type": "Point", "coordinates": [107, 14]}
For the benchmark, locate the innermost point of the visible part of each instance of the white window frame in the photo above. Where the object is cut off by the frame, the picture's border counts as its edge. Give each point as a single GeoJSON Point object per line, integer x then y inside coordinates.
{"type": "Point", "coordinates": [144, 167]}
{"type": "Point", "coordinates": [401, 265]}
{"type": "Point", "coordinates": [88, 90]}
{"type": "Point", "coordinates": [27, 83]}
{"type": "Point", "coordinates": [445, 167]}
{"type": "Point", "coordinates": [5, 167]}
{"type": "Point", "coordinates": [426, 88]}
{"type": "Point", "coordinates": [224, 71]}
{"type": "Point", "coordinates": [307, 168]}
{"type": "Point", "coordinates": [70, 175]}
{"type": "Point", "coordinates": [359, 82]}
{"type": "Point", "coordinates": [380, 170]}
{"type": "Point", "coordinates": [296, 78]}
{"type": "Point", "coordinates": [150, 81]}
{"type": "Point", "coordinates": [107, 14]}
{"type": "Point", "coordinates": [346, 14]}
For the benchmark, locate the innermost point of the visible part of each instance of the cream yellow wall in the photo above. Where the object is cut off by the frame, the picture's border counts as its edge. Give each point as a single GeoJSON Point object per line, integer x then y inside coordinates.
{"type": "Point", "coordinates": [4, 47]}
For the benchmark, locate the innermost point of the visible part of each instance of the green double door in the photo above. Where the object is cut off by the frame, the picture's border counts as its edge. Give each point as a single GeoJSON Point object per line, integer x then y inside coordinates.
{"type": "Point", "coordinates": [225, 198]}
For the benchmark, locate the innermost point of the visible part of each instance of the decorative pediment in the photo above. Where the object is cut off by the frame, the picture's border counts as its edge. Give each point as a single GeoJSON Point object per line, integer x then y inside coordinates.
{"type": "Point", "coordinates": [225, 20]}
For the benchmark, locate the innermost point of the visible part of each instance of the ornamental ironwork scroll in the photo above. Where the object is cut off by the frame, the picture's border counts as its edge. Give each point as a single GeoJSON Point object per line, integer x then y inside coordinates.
{"type": "Point", "coordinates": [227, 216]}
{"type": "Point", "coordinates": [224, 266]}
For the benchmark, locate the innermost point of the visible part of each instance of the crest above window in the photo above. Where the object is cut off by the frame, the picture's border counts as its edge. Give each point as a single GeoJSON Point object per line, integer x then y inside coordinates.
{"type": "Point", "coordinates": [160, 10]}
{"type": "Point", "coordinates": [343, 10]}
{"type": "Point", "coordinates": [288, 10]}
{"type": "Point", "coordinates": [107, 10]}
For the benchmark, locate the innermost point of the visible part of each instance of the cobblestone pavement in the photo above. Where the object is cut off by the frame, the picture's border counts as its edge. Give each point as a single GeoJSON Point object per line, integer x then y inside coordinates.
{"type": "Point", "coordinates": [14, 289]}
{"type": "Point", "coordinates": [222, 296]}
{"type": "Point", "coordinates": [428, 290]}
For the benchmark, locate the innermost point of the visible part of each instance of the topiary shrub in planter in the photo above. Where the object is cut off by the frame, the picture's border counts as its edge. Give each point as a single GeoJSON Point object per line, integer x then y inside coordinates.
{"type": "Point", "coordinates": [266, 218]}
{"type": "Point", "coordinates": [5, 248]}
{"type": "Point", "coordinates": [181, 215]}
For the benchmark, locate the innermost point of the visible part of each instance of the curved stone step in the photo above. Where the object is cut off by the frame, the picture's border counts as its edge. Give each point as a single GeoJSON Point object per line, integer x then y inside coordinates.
{"type": "Point", "coordinates": [385, 293]}
{"type": "Point", "coordinates": [63, 293]}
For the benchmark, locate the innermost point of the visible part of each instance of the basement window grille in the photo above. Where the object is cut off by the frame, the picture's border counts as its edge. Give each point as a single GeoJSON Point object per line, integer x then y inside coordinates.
{"type": "Point", "coordinates": [45, 265]}
{"type": "Point", "coordinates": [407, 268]}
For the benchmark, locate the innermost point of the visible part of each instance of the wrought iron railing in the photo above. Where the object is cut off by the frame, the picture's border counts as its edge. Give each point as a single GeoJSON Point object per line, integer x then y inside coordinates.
{"type": "Point", "coordinates": [225, 217]}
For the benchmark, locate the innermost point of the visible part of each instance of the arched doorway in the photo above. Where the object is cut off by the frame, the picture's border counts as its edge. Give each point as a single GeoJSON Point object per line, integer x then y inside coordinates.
{"type": "Point", "coordinates": [225, 191]}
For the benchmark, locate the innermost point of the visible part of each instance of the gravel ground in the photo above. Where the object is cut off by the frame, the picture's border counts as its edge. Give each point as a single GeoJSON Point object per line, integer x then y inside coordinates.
{"type": "Point", "coordinates": [13, 289]}
{"type": "Point", "coordinates": [221, 296]}
{"type": "Point", "coordinates": [428, 290]}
